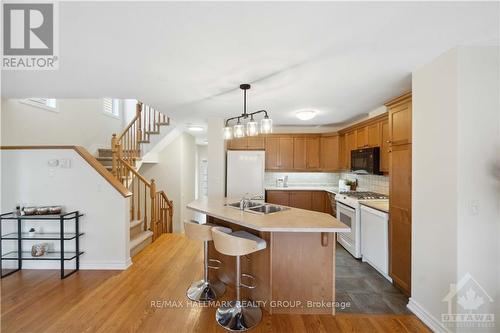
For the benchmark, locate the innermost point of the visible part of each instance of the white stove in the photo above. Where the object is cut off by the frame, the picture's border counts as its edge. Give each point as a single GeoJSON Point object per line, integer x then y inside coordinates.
{"type": "Point", "coordinates": [348, 212]}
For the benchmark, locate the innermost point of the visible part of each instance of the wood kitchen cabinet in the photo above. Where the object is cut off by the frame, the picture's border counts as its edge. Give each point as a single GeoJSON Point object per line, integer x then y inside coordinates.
{"type": "Point", "coordinates": [301, 199]}
{"type": "Point", "coordinates": [247, 143]}
{"type": "Point", "coordinates": [400, 174]}
{"type": "Point", "coordinates": [278, 197]}
{"type": "Point", "coordinates": [384, 146]}
{"type": "Point", "coordinates": [312, 152]}
{"type": "Point", "coordinates": [311, 200]}
{"type": "Point", "coordinates": [373, 138]}
{"type": "Point", "coordinates": [400, 122]}
{"type": "Point", "coordinates": [330, 157]}
{"type": "Point", "coordinates": [361, 138]}
{"type": "Point", "coordinates": [279, 153]}
{"type": "Point", "coordinates": [350, 144]}
{"type": "Point", "coordinates": [318, 201]}
{"type": "Point", "coordinates": [299, 153]}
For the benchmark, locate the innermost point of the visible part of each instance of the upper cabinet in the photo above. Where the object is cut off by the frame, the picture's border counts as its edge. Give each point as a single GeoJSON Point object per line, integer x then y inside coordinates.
{"type": "Point", "coordinates": [373, 135]}
{"type": "Point", "coordinates": [361, 138]}
{"type": "Point", "coordinates": [384, 146]}
{"type": "Point", "coordinates": [246, 143]}
{"type": "Point", "coordinates": [312, 152]}
{"type": "Point", "coordinates": [400, 120]}
{"type": "Point", "coordinates": [279, 153]}
{"type": "Point", "coordinates": [330, 155]}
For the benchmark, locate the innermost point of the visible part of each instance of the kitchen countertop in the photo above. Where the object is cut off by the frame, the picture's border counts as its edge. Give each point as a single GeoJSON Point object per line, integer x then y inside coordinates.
{"type": "Point", "coordinates": [290, 220]}
{"type": "Point", "coordinates": [383, 206]}
{"type": "Point", "coordinates": [331, 189]}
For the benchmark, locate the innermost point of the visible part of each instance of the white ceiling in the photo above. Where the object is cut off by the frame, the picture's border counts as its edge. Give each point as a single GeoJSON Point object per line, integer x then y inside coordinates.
{"type": "Point", "coordinates": [188, 59]}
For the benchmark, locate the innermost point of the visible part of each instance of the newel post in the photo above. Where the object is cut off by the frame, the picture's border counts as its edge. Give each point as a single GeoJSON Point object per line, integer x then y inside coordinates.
{"type": "Point", "coordinates": [153, 218]}
{"type": "Point", "coordinates": [114, 154]}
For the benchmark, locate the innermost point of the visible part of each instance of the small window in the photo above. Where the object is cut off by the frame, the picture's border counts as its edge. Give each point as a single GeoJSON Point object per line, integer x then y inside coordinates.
{"type": "Point", "coordinates": [112, 107]}
{"type": "Point", "coordinates": [43, 103]}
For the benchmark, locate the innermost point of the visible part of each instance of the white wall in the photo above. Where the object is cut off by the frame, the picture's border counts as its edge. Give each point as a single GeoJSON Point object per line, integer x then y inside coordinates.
{"type": "Point", "coordinates": [77, 122]}
{"type": "Point", "coordinates": [201, 169]}
{"type": "Point", "coordinates": [27, 179]}
{"type": "Point", "coordinates": [455, 144]}
{"type": "Point", "coordinates": [216, 158]}
{"type": "Point", "coordinates": [175, 174]}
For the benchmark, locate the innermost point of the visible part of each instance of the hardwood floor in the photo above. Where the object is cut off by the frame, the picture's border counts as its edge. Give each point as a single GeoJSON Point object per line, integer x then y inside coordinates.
{"type": "Point", "coordinates": [136, 300]}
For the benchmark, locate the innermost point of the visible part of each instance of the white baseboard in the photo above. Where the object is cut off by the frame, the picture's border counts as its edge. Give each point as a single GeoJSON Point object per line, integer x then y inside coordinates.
{"type": "Point", "coordinates": [434, 324]}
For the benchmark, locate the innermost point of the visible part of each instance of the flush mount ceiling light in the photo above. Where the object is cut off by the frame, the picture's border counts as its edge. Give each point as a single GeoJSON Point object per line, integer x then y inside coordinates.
{"type": "Point", "coordinates": [238, 131]}
{"type": "Point", "coordinates": [195, 128]}
{"type": "Point", "coordinates": [306, 114]}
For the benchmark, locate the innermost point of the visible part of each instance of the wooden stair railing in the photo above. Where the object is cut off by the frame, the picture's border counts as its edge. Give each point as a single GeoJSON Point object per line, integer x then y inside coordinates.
{"type": "Point", "coordinates": [147, 121]}
{"type": "Point", "coordinates": [147, 204]}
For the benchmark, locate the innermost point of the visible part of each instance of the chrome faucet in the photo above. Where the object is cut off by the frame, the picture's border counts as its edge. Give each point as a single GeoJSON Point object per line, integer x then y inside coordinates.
{"type": "Point", "coordinates": [245, 201]}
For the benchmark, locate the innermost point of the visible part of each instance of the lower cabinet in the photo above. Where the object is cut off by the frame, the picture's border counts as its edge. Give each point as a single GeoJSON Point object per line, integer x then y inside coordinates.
{"type": "Point", "coordinates": [278, 197]}
{"type": "Point", "coordinates": [318, 201]}
{"type": "Point", "coordinates": [301, 199]}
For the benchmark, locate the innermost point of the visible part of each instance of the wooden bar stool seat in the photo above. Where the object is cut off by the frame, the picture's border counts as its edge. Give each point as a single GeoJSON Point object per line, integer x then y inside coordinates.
{"type": "Point", "coordinates": [238, 315]}
{"type": "Point", "coordinates": [204, 290]}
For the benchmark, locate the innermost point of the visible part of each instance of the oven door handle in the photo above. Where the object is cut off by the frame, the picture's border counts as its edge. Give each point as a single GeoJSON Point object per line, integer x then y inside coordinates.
{"type": "Point", "coordinates": [348, 208]}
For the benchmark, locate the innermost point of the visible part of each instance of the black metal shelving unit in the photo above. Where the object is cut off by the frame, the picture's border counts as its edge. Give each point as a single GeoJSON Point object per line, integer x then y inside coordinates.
{"type": "Point", "coordinates": [61, 236]}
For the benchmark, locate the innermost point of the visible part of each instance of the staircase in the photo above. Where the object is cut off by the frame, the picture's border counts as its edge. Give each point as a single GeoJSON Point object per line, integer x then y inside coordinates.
{"type": "Point", "coordinates": [150, 210]}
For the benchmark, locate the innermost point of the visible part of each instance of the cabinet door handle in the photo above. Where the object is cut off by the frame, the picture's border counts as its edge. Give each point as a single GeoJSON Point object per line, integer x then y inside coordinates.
{"type": "Point", "coordinates": [388, 141]}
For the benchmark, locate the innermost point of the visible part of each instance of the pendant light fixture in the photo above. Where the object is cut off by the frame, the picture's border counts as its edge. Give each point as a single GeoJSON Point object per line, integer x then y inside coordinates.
{"type": "Point", "coordinates": [238, 130]}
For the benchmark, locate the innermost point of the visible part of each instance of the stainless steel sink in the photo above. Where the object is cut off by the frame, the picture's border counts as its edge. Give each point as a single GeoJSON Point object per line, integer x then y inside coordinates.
{"type": "Point", "coordinates": [267, 209]}
{"type": "Point", "coordinates": [250, 204]}
{"type": "Point", "coordinates": [258, 207]}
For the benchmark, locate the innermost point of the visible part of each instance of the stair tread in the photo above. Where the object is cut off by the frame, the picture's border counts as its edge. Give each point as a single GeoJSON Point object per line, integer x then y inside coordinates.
{"type": "Point", "coordinates": [135, 223]}
{"type": "Point", "coordinates": [140, 238]}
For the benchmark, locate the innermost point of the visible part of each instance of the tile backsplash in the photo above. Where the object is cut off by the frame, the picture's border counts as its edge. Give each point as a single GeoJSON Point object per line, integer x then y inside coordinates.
{"type": "Point", "coordinates": [375, 183]}
{"type": "Point", "coordinates": [303, 178]}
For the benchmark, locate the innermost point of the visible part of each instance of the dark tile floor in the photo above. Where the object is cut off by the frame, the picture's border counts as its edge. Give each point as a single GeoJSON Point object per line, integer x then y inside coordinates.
{"type": "Point", "coordinates": [361, 289]}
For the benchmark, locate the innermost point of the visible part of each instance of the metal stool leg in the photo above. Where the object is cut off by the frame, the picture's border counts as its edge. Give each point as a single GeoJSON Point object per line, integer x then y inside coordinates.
{"type": "Point", "coordinates": [239, 315]}
{"type": "Point", "coordinates": [205, 290]}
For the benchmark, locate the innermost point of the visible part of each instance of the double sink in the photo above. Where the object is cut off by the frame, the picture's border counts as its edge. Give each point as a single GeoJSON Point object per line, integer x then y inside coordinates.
{"type": "Point", "coordinates": [258, 207]}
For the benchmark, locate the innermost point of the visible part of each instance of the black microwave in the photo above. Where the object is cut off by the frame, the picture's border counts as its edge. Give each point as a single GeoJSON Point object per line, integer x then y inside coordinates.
{"type": "Point", "coordinates": [366, 161]}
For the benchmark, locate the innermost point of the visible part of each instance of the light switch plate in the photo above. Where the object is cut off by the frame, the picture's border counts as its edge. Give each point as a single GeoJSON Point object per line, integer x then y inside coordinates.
{"type": "Point", "coordinates": [65, 163]}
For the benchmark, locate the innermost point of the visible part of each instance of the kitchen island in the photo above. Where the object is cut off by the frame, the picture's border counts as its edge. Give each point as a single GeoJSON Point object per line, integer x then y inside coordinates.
{"type": "Point", "coordinates": [296, 271]}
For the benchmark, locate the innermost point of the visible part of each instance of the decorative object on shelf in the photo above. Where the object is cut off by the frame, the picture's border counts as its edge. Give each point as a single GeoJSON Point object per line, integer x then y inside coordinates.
{"type": "Point", "coordinates": [38, 250]}
{"type": "Point", "coordinates": [31, 232]}
{"type": "Point", "coordinates": [29, 211]}
{"type": "Point", "coordinates": [55, 210]}
{"type": "Point", "coordinates": [17, 212]}
{"type": "Point", "coordinates": [238, 130]}
{"type": "Point", "coordinates": [43, 210]}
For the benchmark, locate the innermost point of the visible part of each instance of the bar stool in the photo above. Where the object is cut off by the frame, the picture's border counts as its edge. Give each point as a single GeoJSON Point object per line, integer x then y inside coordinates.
{"type": "Point", "coordinates": [203, 290]}
{"type": "Point", "coordinates": [238, 315]}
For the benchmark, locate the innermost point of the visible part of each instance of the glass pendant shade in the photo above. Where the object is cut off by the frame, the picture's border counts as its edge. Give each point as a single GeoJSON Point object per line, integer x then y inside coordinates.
{"type": "Point", "coordinates": [228, 133]}
{"type": "Point", "coordinates": [266, 125]}
{"type": "Point", "coordinates": [252, 128]}
{"type": "Point", "coordinates": [238, 131]}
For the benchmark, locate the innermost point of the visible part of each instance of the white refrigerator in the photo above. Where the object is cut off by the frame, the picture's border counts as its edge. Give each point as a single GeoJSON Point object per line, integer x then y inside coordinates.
{"type": "Point", "coordinates": [245, 173]}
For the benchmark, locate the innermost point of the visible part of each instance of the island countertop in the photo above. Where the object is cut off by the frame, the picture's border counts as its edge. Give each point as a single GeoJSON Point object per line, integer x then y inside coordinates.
{"type": "Point", "coordinates": [289, 220]}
